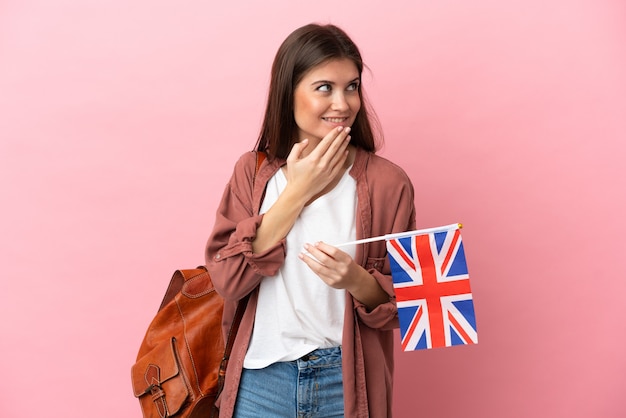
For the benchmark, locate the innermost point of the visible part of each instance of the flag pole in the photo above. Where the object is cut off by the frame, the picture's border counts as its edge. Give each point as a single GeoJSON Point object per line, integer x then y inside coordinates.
{"type": "Point", "coordinates": [404, 234]}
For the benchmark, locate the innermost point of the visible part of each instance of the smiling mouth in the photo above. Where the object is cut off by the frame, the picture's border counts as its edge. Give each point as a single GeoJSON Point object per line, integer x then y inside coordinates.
{"type": "Point", "coordinates": [335, 120]}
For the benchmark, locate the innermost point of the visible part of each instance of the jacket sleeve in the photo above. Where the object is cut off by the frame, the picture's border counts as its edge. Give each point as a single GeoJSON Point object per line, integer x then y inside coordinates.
{"type": "Point", "coordinates": [385, 220]}
{"type": "Point", "coordinates": [235, 270]}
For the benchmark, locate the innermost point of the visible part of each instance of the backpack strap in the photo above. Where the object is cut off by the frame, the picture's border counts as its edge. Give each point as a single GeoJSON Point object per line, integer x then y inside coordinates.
{"type": "Point", "coordinates": [260, 157]}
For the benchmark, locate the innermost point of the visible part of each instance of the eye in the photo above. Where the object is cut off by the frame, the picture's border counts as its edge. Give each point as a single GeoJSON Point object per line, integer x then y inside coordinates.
{"type": "Point", "coordinates": [324, 87]}
{"type": "Point", "coordinates": [353, 86]}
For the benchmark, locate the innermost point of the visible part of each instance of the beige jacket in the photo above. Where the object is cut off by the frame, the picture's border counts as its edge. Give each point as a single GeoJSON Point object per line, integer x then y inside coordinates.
{"type": "Point", "coordinates": [385, 205]}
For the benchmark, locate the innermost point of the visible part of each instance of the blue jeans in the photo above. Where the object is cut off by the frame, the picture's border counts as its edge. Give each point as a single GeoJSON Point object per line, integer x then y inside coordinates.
{"type": "Point", "coordinates": [311, 386]}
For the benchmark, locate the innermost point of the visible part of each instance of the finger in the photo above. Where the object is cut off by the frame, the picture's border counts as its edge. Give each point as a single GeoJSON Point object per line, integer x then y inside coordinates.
{"type": "Point", "coordinates": [338, 145]}
{"type": "Point", "coordinates": [330, 255]}
{"type": "Point", "coordinates": [324, 248]}
{"type": "Point", "coordinates": [335, 136]}
{"type": "Point", "coordinates": [333, 160]}
{"type": "Point", "coordinates": [311, 261]}
{"type": "Point", "coordinates": [339, 158]}
{"type": "Point", "coordinates": [326, 254]}
{"type": "Point", "coordinates": [297, 150]}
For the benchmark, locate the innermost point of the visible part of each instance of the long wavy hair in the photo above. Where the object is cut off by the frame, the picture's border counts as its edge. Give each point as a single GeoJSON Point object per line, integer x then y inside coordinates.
{"type": "Point", "coordinates": [303, 49]}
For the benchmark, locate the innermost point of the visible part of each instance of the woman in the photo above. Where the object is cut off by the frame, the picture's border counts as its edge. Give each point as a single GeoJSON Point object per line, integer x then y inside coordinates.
{"type": "Point", "coordinates": [316, 338]}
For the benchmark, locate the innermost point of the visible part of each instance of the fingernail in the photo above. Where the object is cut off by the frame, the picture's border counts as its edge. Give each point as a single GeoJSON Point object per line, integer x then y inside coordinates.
{"type": "Point", "coordinates": [340, 128]}
{"type": "Point", "coordinates": [348, 129]}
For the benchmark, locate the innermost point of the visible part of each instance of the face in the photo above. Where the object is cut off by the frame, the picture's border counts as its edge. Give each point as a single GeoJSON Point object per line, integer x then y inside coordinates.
{"type": "Point", "coordinates": [326, 97]}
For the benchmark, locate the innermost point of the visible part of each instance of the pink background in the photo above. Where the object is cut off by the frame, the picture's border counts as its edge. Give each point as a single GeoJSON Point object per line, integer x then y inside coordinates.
{"type": "Point", "coordinates": [120, 122]}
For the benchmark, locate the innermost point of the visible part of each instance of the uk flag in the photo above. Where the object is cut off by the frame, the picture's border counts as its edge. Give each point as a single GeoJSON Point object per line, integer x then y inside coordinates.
{"type": "Point", "coordinates": [431, 281]}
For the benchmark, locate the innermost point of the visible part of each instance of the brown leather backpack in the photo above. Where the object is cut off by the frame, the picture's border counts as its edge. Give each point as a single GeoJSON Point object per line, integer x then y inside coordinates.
{"type": "Point", "coordinates": [182, 360]}
{"type": "Point", "coordinates": [177, 373]}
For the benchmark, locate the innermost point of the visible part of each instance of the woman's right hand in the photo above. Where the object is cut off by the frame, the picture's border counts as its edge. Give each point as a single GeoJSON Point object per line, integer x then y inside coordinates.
{"type": "Point", "coordinates": [310, 172]}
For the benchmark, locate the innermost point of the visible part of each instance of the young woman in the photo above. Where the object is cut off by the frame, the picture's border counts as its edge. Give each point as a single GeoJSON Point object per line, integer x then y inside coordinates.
{"type": "Point", "coordinates": [316, 338]}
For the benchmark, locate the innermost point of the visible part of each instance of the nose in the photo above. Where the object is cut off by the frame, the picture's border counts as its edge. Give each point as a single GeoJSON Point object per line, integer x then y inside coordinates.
{"type": "Point", "coordinates": [339, 101]}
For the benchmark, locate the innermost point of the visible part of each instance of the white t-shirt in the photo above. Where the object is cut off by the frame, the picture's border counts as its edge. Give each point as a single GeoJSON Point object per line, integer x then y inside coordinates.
{"type": "Point", "coordinates": [297, 312]}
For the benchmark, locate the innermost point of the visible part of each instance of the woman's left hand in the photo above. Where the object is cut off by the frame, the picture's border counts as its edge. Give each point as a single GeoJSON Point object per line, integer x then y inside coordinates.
{"type": "Point", "coordinates": [338, 270]}
{"type": "Point", "coordinates": [335, 267]}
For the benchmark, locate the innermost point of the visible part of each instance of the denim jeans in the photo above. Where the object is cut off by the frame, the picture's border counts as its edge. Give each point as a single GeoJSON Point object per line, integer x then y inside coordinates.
{"type": "Point", "coordinates": [311, 386]}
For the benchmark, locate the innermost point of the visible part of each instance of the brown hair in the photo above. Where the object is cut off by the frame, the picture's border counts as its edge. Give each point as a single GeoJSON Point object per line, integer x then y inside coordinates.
{"type": "Point", "coordinates": [302, 50]}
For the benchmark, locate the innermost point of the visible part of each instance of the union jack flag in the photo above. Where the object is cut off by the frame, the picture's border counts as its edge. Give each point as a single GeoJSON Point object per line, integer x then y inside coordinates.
{"type": "Point", "coordinates": [431, 281]}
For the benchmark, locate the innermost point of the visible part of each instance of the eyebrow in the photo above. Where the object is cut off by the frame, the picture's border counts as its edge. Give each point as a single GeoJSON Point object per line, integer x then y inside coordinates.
{"type": "Point", "coordinates": [333, 83]}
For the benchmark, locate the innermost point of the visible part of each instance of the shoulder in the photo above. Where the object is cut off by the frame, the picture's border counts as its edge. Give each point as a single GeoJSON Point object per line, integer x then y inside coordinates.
{"type": "Point", "coordinates": [252, 171]}
{"type": "Point", "coordinates": [381, 171]}
{"type": "Point", "coordinates": [246, 163]}
{"type": "Point", "coordinates": [246, 166]}
{"type": "Point", "coordinates": [252, 162]}
{"type": "Point", "coordinates": [243, 174]}
{"type": "Point", "coordinates": [384, 181]}
{"type": "Point", "coordinates": [381, 164]}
